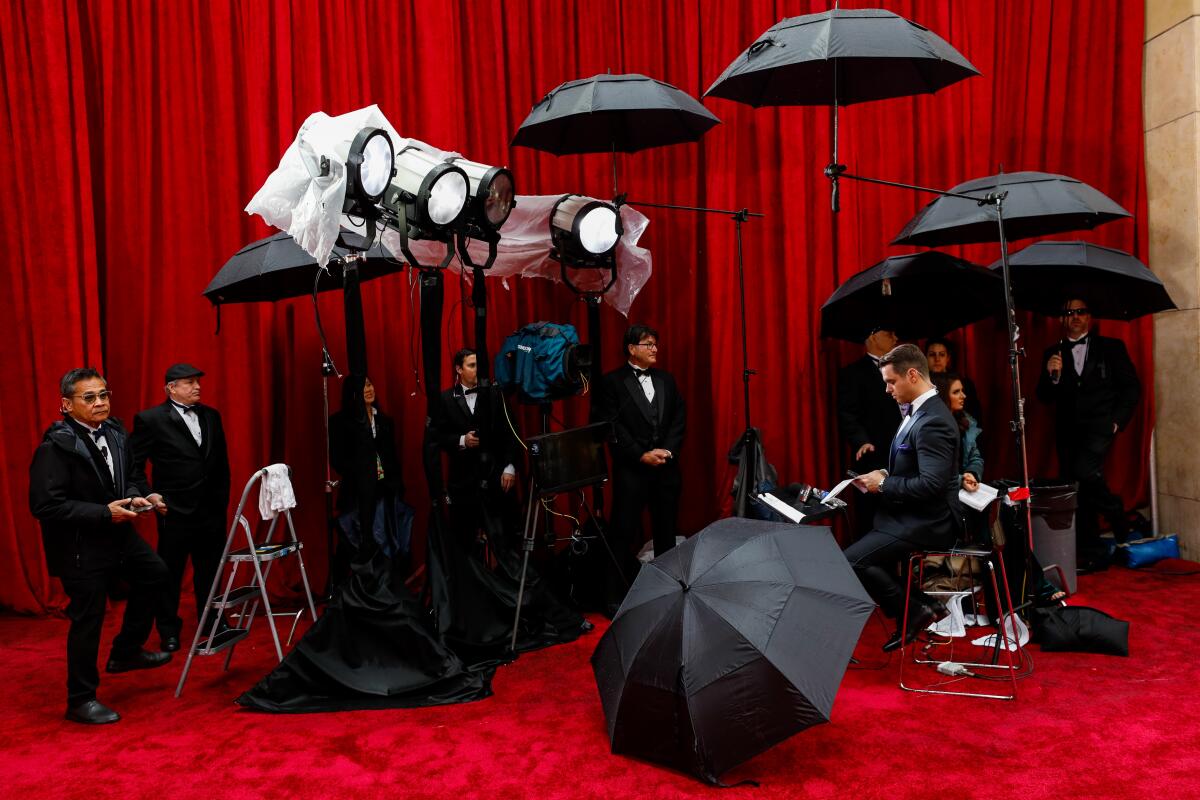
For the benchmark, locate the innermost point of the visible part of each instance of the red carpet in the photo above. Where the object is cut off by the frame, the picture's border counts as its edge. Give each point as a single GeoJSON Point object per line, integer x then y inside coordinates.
{"type": "Point", "coordinates": [1083, 726]}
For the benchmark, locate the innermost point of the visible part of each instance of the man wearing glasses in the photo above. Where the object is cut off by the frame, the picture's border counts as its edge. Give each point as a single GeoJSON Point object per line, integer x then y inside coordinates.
{"type": "Point", "coordinates": [82, 491]}
{"type": "Point", "coordinates": [648, 417]}
{"type": "Point", "coordinates": [1093, 386]}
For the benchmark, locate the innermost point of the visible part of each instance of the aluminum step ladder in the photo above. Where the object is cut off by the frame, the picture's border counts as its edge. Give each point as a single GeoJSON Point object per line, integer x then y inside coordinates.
{"type": "Point", "coordinates": [242, 601]}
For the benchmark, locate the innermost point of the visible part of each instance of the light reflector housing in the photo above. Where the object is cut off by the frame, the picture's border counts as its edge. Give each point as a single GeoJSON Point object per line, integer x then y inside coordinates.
{"type": "Point", "coordinates": [585, 231]}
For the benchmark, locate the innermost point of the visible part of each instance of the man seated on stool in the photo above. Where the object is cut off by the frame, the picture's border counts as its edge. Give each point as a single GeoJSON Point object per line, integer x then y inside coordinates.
{"type": "Point", "coordinates": [918, 493]}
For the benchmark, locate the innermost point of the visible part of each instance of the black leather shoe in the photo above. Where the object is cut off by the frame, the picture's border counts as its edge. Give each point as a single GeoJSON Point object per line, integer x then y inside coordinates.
{"type": "Point", "coordinates": [170, 644]}
{"type": "Point", "coordinates": [93, 712]}
{"type": "Point", "coordinates": [922, 618]}
{"type": "Point", "coordinates": [144, 659]}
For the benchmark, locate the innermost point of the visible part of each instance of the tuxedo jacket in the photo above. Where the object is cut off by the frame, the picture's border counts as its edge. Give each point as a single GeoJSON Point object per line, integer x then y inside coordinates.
{"type": "Point", "coordinates": [639, 425]}
{"type": "Point", "coordinates": [191, 478]}
{"type": "Point", "coordinates": [499, 445]}
{"type": "Point", "coordinates": [70, 488]}
{"type": "Point", "coordinates": [866, 412]}
{"type": "Point", "coordinates": [1106, 392]}
{"type": "Point", "coordinates": [919, 499]}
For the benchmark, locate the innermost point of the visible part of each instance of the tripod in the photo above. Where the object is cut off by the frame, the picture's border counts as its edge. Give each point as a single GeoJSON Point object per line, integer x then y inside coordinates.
{"type": "Point", "coordinates": [750, 443]}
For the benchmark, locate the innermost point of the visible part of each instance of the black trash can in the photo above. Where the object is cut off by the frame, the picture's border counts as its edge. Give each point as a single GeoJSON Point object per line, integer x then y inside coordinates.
{"type": "Point", "coordinates": [1052, 505]}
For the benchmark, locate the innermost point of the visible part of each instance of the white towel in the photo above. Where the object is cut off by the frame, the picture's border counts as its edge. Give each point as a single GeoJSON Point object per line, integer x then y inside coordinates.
{"type": "Point", "coordinates": [275, 492]}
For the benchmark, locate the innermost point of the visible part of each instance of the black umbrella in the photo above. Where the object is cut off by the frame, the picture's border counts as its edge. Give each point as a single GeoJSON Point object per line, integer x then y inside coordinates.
{"type": "Point", "coordinates": [922, 294]}
{"type": "Point", "coordinates": [626, 113]}
{"type": "Point", "coordinates": [841, 57]}
{"type": "Point", "coordinates": [611, 114]}
{"type": "Point", "coordinates": [276, 268]}
{"type": "Point", "coordinates": [1037, 204]}
{"type": "Point", "coordinates": [1114, 284]}
{"type": "Point", "coordinates": [728, 644]}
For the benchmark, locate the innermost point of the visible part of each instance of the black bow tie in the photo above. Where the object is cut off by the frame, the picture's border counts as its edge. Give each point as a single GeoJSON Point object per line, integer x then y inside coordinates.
{"type": "Point", "coordinates": [472, 390]}
{"type": "Point", "coordinates": [638, 373]}
{"type": "Point", "coordinates": [906, 409]}
{"type": "Point", "coordinates": [97, 435]}
{"type": "Point", "coordinates": [183, 408]}
{"type": "Point", "coordinates": [1079, 343]}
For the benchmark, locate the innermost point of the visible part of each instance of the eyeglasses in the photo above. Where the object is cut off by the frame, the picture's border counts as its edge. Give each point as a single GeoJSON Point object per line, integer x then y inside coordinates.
{"type": "Point", "coordinates": [651, 345]}
{"type": "Point", "coordinates": [92, 397]}
{"type": "Point", "coordinates": [1077, 312]}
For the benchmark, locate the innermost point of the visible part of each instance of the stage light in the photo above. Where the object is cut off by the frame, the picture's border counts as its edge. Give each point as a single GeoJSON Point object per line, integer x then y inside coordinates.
{"type": "Point", "coordinates": [493, 194]}
{"type": "Point", "coordinates": [585, 231]}
{"type": "Point", "coordinates": [369, 167]}
{"type": "Point", "coordinates": [427, 193]}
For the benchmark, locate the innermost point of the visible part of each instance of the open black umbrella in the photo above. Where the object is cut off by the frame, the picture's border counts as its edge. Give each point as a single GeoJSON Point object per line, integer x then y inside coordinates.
{"type": "Point", "coordinates": [841, 57]}
{"type": "Point", "coordinates": [922, 294]}
{"type": "Point", "coordinates": [1037, 204]}
{"type": "Point", "coordinates": [1115, 284]}
{"type": "Point", "coordinates": [625, 113]}
{"type": "Point", "coordinates": [728, 644]}
{"type": "Point", "coordinates": [612, 114]}
{"type": "Point", "coordinates": [276, 268]}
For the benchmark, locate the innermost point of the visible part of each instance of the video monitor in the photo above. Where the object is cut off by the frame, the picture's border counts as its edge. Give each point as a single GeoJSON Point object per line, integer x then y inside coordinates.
{"type": "Point", "coordinates": [570, 459]}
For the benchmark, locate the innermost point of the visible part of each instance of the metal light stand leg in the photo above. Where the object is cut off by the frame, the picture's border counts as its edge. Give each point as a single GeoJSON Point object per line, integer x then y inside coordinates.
{"type": "Point", "coordinates": [531, 520]}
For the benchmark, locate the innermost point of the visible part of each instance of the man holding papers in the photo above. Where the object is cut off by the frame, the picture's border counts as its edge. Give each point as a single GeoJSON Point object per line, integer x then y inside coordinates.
{"type": "Point", "coordinates": [918, 492]}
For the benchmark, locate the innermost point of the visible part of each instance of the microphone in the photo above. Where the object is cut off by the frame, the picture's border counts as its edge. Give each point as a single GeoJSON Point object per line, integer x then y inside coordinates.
{"type": "Point", "coordinates": [1056, 374]}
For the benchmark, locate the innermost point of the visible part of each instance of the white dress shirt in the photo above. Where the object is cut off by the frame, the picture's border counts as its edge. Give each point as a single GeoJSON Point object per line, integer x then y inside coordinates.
{"type": "Point", "coordinates": [472, 399]}
{"type": "Point", "coordinates": [647, 384]}
{"type": "Point", "coordinates": [1079, 354]}
{"type": "Point", "coordinates": [190, 418]}
{"type": "Point", "coordinates": [101, 443]}
{"type": "Point", "coordinates": [916, 404]}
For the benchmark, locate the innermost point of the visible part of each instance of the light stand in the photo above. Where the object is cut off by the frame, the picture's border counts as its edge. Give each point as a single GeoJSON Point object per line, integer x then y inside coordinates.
{"type": "Point", "coordinates": [750, 441]}
{"type": "Point", "coordinates": [835, 171]}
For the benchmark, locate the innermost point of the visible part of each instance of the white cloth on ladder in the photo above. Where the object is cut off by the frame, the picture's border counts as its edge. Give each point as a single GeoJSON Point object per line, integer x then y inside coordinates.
{"type": "Point", "coordinates": [275, 492]}
{"type": "Point", "coordinates": [954, 623]}
{"type": "Point", "coordinates": [1011, 638]}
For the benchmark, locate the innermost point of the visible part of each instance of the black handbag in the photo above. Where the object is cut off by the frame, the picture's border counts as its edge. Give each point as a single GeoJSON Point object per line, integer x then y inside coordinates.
{"type": "Point", "coordinates": [1079, 629]}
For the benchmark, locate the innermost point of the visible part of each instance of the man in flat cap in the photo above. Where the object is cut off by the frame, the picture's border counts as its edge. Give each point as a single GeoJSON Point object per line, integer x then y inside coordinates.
{"type": "Point", "coordinates": [185, 445]}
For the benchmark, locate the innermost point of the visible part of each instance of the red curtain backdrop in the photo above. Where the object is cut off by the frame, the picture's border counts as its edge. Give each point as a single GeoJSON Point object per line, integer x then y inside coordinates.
{"type": "Point", "coordinates": [136, 132]}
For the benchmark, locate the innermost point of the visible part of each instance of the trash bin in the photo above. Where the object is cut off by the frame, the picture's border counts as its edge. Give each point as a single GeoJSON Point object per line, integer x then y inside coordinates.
{"type": "Point", "coordinates": [1052, 506]}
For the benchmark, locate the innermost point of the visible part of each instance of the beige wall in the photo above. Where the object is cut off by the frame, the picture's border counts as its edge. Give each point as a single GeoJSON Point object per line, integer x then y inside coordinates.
{"type": "Point", "coordinates": [1171, 113]}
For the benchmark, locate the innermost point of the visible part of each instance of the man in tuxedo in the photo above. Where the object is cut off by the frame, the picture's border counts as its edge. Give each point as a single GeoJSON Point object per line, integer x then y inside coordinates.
{"type": "Point", "coordinates": [472, 425]}
{"type": "Point", "coordinates": [1093, 386]}
{"type": "Point", "coordinates": [918, 492]}
{"type": "Point", "coordinates": [83, 492]}
{"type": "Point", "coordinates": [185, 445]}
{"type": "Point", "coordinates": [867, 417]}
{"type": "Point", "coordinates": [648, 418]}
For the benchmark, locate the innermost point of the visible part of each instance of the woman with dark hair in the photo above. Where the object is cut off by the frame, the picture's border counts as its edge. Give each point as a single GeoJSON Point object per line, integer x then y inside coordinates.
{"type": "Point", "coordinates": [362, 449]}
{"type": "Point", "coordinates": [951, 390]}
{"type": "Point", "coordinates": [941, 356]}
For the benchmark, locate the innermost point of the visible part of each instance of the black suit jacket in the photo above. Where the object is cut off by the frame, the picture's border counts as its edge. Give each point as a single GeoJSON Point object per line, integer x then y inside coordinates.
{"type": "Point", "coordinates": [638, 427]}
{"type": "Point", "coordinates": [191, 478]}
{"type": "Point", "coordinates": [920, 494]}
{"type": "Point", "coordinates": [70, 488]}
{"type": "Point", "coordinates": [866, 412]}
{"type": "Point", "coordinates": [1107, 392]}
{"type": "Point", "coordinates": [352, 452]}
{"type": "Point", "coordinates": [498, 447]}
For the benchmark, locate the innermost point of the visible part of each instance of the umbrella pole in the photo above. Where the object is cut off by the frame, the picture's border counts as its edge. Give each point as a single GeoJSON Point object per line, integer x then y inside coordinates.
{"type": "Point", "coordinates": [1014, 355]}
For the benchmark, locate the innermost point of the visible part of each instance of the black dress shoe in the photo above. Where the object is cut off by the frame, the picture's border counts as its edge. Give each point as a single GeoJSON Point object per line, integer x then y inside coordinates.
{"type": "Point", "coordinates": [93, 712]}
{"type": "Point", "coordinates": [169, 644]}
{"type": "Point", "coordinates": [143, 659]}
{"type": "Point", "coordinates": [922, 618]}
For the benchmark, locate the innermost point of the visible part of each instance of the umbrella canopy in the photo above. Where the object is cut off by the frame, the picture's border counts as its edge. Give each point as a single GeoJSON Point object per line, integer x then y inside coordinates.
{"type": "Point", "coordinates": [1114, 284]}
{"type": "Point", "coordinates": [606, 113]}
{"type": "Point", "coordinates": [841, 57]}
{"type": "Point", "coordinates": [276, 268]}
{"type": "Point", "coordinates": [728, 644]}
{"type": "Point", "coordinates": [1038, 204]}
{"type": "Point", "coordinates": [922, 294]}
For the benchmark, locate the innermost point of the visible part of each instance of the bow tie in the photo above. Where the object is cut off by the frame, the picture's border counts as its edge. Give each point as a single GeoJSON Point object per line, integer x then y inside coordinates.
{"type": "Point", "coordinates": [906, 409]}
{"type": "Point", "coordinates": [183, 408]}
{"type": "Point", "coordinates": [1079, 343]}
{"type": "Point", "coordinates": [97, 435]}
{"type": "Point", "coordinates": [640, 373]}
{"type": "Point", "coordinates": [472, 390]}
